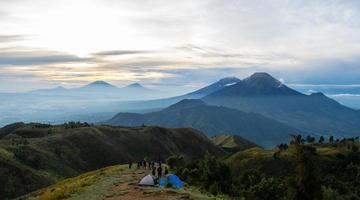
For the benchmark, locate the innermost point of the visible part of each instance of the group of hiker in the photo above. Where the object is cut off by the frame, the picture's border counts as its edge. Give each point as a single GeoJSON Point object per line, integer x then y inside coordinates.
{"type": "Point", "coordinates": [159, 175]}
{"type": "Point", "coordinates": [146, 165]}
{"type": "Point", "coordinates": [158, 170]}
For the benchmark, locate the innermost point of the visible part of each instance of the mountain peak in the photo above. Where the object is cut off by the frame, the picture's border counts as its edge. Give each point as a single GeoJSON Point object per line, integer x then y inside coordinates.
{"type": "Point", "coordinates": [258, 84]}
{"type": "Point", "coordinates": [263, 79]}
{"type": "Point", "coordinates": [261, 75]}
{"type": "Point", "coordinates": [99, 84]}
{"type": "Point", "coordinates": [59, 88]}
{"type": "Point", "coordinates": [135, 85]}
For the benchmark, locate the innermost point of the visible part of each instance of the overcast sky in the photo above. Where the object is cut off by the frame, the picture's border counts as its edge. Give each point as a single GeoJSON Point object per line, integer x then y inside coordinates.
{"type": "Point", "coordinates": [177, 45]}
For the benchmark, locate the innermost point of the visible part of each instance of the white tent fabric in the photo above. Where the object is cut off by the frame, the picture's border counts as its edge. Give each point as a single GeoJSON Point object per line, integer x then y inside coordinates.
{"type": "Point", "coordinates": [148, 180]}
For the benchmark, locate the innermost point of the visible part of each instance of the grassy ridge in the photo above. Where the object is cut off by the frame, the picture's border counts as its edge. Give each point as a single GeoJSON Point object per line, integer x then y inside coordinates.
{"type": "Point", "coordinates": [33, 156]}
{"type": "Point", "coordinates": [69, 187]}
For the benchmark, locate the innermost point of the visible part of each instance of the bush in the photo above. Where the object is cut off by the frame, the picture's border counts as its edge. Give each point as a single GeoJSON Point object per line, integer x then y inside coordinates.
{"type": "Point", "coordinates": [214, 189]}
{"type": "Point", "coordinates": [175, 162]}
{"type": "Point", "coordinates": [267, 189]}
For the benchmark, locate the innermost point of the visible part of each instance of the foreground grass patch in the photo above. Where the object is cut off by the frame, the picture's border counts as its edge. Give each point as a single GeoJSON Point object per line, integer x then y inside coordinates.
{"type": "Point", "coordinates": [69, 187]}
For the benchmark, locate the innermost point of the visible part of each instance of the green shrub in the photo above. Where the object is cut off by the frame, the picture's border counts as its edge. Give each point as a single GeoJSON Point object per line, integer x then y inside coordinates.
{"type": "Point", "coordinates": [267, 189]}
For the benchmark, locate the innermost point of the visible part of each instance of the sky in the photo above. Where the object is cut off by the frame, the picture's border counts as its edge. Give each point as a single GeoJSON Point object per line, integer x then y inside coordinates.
{"type": "Point", "coordinates": [177, 46]}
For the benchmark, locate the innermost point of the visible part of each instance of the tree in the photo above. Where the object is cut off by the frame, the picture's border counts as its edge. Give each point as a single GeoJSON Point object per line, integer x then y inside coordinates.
{"type": "Point", "coordinates": [354, 148]}
{"type": "Point", "coordinates": [215, 175]}
{"type": "Point", "coordinates": [175, 161]}
{"type": "Point", "coordinates": [331, 139]}
{"type": "Point", "coordinates": [308, 186]}
{"type": "Point", "coordinates": [310, 139]}
{"type": "Point", "coordinates": [322, 139]}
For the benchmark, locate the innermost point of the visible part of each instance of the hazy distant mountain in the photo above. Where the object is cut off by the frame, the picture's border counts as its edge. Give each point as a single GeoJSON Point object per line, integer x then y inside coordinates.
{"type": "Point", "coordinates": [55, 90]}
{"type": "Point", "coordinates": [164, 102]}
{"type": "Point", "coordinates": [102, 90]}
{"type": "Point", "coordinates": [212, 120]}
{"type": "Point", "coordinates": [315, 113]}
{"type": "Point", "coordinates": [135, 86]}
{"type": "Point", "coordinates": [96, 85]}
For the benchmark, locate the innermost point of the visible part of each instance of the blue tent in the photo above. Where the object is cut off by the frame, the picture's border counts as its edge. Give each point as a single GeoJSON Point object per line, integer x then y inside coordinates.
{"type": "Point", "coordinates": [173, 180]}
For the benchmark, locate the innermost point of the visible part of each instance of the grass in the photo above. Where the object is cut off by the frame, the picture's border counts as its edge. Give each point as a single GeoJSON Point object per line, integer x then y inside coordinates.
{"type": "Point", "coordinates": [70, 187]}
{"type": "Point", "coordinates": [98, 184]}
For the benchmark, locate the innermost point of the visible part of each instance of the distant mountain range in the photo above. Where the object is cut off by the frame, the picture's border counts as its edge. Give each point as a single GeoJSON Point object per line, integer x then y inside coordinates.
{"type": "Point", "coordinates": [245, 107]}
{"type": "Point", "coordinates": [259, 108]}
{"type": "Point", "coordinates": [158, 104]}
{"type": "Point", "coordinates": [315, 113]}
{"type": "Point", "coordinates": [100, 89]}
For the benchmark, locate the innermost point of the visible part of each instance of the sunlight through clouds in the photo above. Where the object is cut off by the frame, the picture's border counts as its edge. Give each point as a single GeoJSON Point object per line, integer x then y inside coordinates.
{"type": "Point", "coordinates": [156, 42]}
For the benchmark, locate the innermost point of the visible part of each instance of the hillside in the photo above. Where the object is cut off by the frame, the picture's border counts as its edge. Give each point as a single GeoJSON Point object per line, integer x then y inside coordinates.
{"type": "Point", "coordinates": [212, 120]}
{"type": "Point", "coordinates": [112, 183]}
{"type": "Point", "coordinates": [36, 155]}
{"type": "Point", "coordinates": [232, 143]}
{"type": "Point", "coordinates": [316, 113]}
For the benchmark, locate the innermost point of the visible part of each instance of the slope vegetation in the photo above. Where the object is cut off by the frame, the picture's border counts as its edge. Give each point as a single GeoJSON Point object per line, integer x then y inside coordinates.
{"type": "Point", "coordinates": [35, 155]}
{"type": "Point", "coordinates": [233, 143]}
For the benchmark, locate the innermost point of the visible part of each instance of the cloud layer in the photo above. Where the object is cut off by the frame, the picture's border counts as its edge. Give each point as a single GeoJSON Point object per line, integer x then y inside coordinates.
{"type": "Point", "coordinates": [185, 43]}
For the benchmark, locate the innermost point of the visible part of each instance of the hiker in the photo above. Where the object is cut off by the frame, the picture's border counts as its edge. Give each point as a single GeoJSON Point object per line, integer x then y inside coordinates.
{"type": "Point", "coordinates": [153, 164]}
{"type": "Point", "coordinates": [149, 165]}
{"type": "Point", "coordinates": [130, 165]}
{"type": "Point", "coordinates": [166, 171]}
{"type": "Point", "coordinates": [144, 164]}
{"type": "Point", "coordinates": [153, 172]}
{"type": "Point", "coordinates": [159, 171]}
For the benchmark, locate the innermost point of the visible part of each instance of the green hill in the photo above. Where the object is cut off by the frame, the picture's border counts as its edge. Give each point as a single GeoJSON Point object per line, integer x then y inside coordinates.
{"type": "Point", "coordinates": [36, 155]}
{"type": "Point", "coordinates": [212, 120]}
{"type": "Point", "coordinates": [232, 143]}
{"type": "Point", "coordinates": [335, 165]}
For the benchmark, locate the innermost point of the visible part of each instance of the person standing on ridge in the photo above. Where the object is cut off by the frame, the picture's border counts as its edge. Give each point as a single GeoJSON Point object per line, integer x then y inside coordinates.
{"type": "Point", "coordinates": [153, 172]}
{"type": "Point", "coordinates": [159, 171]}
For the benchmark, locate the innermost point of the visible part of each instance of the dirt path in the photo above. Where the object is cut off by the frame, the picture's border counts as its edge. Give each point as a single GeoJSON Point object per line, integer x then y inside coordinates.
{"type": "Point", "coordinates": [127, 189]}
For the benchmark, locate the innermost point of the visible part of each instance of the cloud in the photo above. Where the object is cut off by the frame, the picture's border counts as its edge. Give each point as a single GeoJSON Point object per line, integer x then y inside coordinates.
{"type": "Point", "coordinates": [118, 52]}
{"type": "Point", "coordinates": [327, 86]}
{"type": "Point", "coordinates": [12, 38]}
{"type": "Point", "coordinates": [185, 43]}
{"type": "Point", "coordinates": [35, 57]}
{"type": "Point", "coordinates": [345, 95]}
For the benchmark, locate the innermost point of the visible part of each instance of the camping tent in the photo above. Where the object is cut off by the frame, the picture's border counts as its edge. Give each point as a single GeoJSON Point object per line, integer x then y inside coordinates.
{"type": "Point", "coordinates": [148, 180]}
{"type": "Point", "coordinates": [171, 179]}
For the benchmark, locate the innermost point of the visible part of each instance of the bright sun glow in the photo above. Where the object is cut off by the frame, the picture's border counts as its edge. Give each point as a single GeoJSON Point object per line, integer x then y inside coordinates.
{"type": "Point", "coordinates": [81, 29]}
